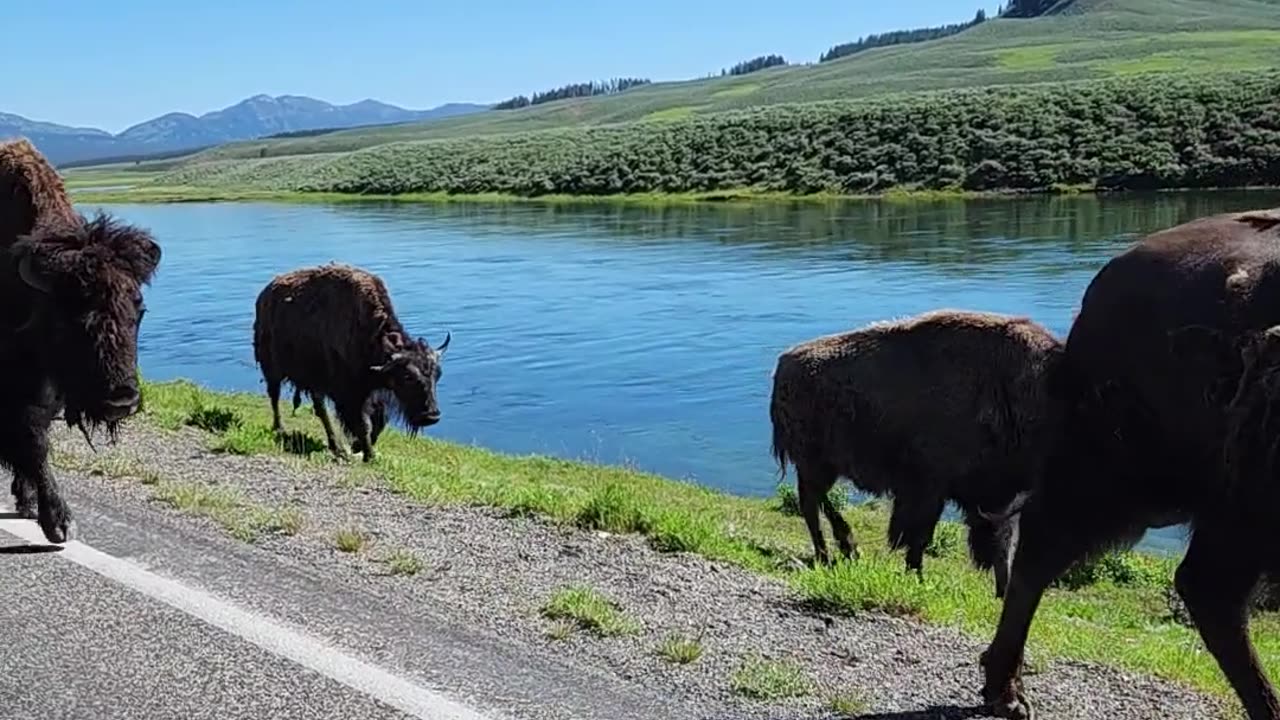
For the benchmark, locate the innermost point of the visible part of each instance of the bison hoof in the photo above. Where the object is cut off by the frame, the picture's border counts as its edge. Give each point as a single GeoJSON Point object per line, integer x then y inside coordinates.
{"type": "Point", "coordinates": [1014, 707]}
{"type": "Point", "coordinates": [55, 520]}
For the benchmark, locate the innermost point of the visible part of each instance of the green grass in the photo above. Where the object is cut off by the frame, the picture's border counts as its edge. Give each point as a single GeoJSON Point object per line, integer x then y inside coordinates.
{"type": "Point", "coordinates": [227, 507]}
{"type": "Point", "coordinates": [1130, 132]}
{"type": "Point", "coordinates": [350, 539]}
{"type": "Point", "coordinates": [402, 562]}
{"type": "Point", "coordinates": [762, 679]}
{"type": "Point", "coordinates": [680, 650]}
{"type": "Point", "coordinates": [590, 610]}
{"type": "Point", "coordinates": [1115, 613]}
{"type": "Point", "coordinates": [1084, 45]}
{"type": "Point", "coordinates": [241, 518]}
{"type": "Point", "coordinates": [847, 705]}
{"type": "Point", "coordinates": [616, 145]}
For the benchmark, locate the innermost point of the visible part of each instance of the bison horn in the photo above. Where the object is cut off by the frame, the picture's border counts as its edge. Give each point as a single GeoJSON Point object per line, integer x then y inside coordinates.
{"type": "Point", "coordinates": [30, 277]}
{"type": "Point", "coordinates": [444, 345]}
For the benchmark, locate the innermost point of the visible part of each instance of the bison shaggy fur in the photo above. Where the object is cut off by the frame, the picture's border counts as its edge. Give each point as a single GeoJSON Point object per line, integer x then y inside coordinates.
{"type": "Point", "coordinates": [1171, 383]}
{"type": "Point", "coordinates": [332, 332]}
{"type": "Point", "coordinates": [946, 405]}
{"type": "Point", "coordinates": [70, 309]}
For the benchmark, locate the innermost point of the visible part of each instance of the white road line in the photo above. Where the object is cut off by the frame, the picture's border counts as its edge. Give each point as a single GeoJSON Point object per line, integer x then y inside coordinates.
{"type": "Point", "coordinates": [306, 650]}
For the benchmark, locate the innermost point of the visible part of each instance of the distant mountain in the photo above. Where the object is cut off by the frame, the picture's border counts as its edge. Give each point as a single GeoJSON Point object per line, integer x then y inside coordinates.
{"type": "Point", "coordinates": [258, 116]}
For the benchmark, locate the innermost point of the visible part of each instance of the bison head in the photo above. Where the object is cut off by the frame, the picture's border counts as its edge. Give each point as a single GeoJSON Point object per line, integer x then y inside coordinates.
{"type": "Point", "coordinates": [86, 287]}
{"type": "Point", "coordinates": [410, 374]}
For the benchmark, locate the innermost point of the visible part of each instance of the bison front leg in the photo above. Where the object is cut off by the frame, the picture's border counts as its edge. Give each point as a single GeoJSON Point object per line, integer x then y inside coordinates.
{"type": "Point", "coordinates": [322, 412]}
{"type": "Point", "coordinates": [25, 449]}
{"type": "Point", "coordinates": [356, 423]}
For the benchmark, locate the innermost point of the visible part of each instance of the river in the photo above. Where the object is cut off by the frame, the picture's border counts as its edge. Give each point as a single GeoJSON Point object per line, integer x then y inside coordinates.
{"type": "Point", "coordinates": [635, 335]}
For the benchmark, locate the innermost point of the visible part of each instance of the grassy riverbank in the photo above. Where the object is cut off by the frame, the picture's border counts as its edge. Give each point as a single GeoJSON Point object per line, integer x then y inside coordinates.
{"type": "Point", "coordinates": [1115, 612]}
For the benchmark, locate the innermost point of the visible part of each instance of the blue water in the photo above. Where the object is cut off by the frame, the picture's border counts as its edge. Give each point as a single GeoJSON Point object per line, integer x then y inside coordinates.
{"type": "Point", "coordinates": [632, 335]}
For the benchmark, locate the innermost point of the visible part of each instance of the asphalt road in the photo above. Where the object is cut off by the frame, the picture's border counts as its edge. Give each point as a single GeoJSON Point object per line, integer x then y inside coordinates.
{"type": "Point", "coordinates": [139, 618]}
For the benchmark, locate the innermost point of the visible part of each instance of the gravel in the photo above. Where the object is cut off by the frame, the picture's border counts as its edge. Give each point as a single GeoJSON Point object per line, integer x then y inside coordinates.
{"type": "Point", "coordinates": [488, 571]}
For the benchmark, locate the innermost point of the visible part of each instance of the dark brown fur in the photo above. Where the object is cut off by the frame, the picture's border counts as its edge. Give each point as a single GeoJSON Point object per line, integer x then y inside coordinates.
{"type": "Point", "coordinates": [331, 331]}
{"type": "Point", "coordinates": [947, 405]}
{"type": "Point", "coordinates": [70, 308]}
{"type": "Point", "coordinates": [1172, 374]}
{"type": "Point", "coordinates": [31, 192]}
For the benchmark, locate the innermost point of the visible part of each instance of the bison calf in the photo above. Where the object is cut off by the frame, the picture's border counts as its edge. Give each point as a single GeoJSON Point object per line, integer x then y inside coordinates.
{"type": "Point", "coordinates": [331, 331]}
{"type": "Point", "coordinates": [947, 405]}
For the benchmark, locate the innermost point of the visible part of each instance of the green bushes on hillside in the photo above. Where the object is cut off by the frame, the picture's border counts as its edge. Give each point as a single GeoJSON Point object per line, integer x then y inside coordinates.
{"type": "Point", "coordinates": [1134, 133]}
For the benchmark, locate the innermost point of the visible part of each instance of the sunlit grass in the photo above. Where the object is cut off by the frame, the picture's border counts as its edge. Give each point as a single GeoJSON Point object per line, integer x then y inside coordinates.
{"type": "Point", "coordinates": [1117, 613]}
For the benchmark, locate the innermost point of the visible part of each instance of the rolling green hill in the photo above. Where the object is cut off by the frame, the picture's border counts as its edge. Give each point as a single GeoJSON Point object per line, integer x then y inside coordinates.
{"type": "Point", "coordinates": [1089, 39]}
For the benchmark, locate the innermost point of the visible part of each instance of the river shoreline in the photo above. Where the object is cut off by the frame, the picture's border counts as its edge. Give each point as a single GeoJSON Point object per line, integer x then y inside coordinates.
{"type": "Point", "coordinates": [175, 195]}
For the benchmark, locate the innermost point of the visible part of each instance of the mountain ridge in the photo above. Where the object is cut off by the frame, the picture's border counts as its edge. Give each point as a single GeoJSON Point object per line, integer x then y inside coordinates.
{"type": "Point", "coordinates": [254, 117]}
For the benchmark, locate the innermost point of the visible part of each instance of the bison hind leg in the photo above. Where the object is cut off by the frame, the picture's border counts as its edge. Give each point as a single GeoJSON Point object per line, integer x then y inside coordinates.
{"type": "Point", "coordinates": [24, 496]}
{"type": "Point", "coordinates": [1215, 581]}
{"type": "Point", "coordinates": [813, 482]}
{"type": "Point", "coordinates": [911, 526]}
{"type": "Point", "coordinates": [840, 528]}
{"type": "Point", "coordinates": [273, 392]}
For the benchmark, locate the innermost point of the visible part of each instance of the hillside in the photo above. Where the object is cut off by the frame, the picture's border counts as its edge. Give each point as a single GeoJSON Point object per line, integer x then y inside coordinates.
{"type": "Point", "coordinates": [255, 117]}
{"type": "Point", "coordinates": [1081, 40]}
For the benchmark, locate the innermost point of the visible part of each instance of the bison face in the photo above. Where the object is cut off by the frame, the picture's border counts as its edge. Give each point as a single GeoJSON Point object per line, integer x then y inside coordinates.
{"type": "Point", "coordinates": [86, 285]}
{"type": "Point", "coordinates": [411, 374]}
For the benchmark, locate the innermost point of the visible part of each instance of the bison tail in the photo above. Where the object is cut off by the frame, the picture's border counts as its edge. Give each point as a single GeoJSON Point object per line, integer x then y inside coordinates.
{"type": "Point", "coordinates": [779, 443]}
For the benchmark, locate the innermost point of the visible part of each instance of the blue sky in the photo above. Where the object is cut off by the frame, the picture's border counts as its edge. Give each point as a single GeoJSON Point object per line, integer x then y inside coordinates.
{"type": "Point", "coordinates": [113, 63]}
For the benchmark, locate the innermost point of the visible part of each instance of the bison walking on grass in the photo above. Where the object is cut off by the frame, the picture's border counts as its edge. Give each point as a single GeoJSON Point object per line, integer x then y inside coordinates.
{"type": "Point", "coordinates": [1172, 372]}
{"type": "Point", "coordinates": [70, 308]}
{"type": "Point", "coordinates": [947, 405]}
{"type": "Point", "coordinates": [332, 332]}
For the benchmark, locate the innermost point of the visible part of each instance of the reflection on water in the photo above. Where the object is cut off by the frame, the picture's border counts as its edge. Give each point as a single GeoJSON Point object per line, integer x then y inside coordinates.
{"type": "Point", "coordinates": [633, 334]}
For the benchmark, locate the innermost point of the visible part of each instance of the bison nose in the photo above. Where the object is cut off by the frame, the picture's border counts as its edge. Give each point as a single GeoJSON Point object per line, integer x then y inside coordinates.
{"type": "Point", "coordinates": [124, 397]}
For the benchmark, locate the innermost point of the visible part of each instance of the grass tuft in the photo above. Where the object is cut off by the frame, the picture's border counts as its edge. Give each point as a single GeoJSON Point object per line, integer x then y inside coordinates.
{"type": "Point", "coordinates": [847, 705]}
{"type": "Point", "coordinates": [214, 419]}
{"type": "Point", "coordinates": [349, 539]}
{"type": "Point", "coordinates": [762, 679]}
{"type": "Point", "coordinates": [614, 508]}
{"type": "Point", "coordinates": [873, 582]}
{"type": "Point", "coordinates": [789, 499]}
{"type": "Point", "coordinates": [402, 562]}
{"type": "Point", "coordinates": [680, 650]}
{"type": "Point", "coordinates": [589, 610]}
{"type": "Point", "coordinates": [560, 630]}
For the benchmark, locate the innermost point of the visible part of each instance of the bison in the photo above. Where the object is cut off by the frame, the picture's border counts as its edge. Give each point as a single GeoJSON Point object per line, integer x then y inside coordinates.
{"type": "Point", "coordinates": [331, 331]}
{"type": "Point", "coordinates": [70, 308]}
{"type": "Point", "coordinates": [946, 405]}
{"type": "Point", "coordinates": [1170, 376]}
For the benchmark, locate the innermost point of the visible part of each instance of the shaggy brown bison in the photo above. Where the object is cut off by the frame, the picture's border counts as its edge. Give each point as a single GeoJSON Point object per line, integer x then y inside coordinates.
{"type": "Point", "coordinates": [70, 308]}
{"type": "Point", "coordinates": [947, 405]}
{"type": "Point", "coordinates": [1173, 377]}
{"type": "Point", "coordinates": [331, 331]}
